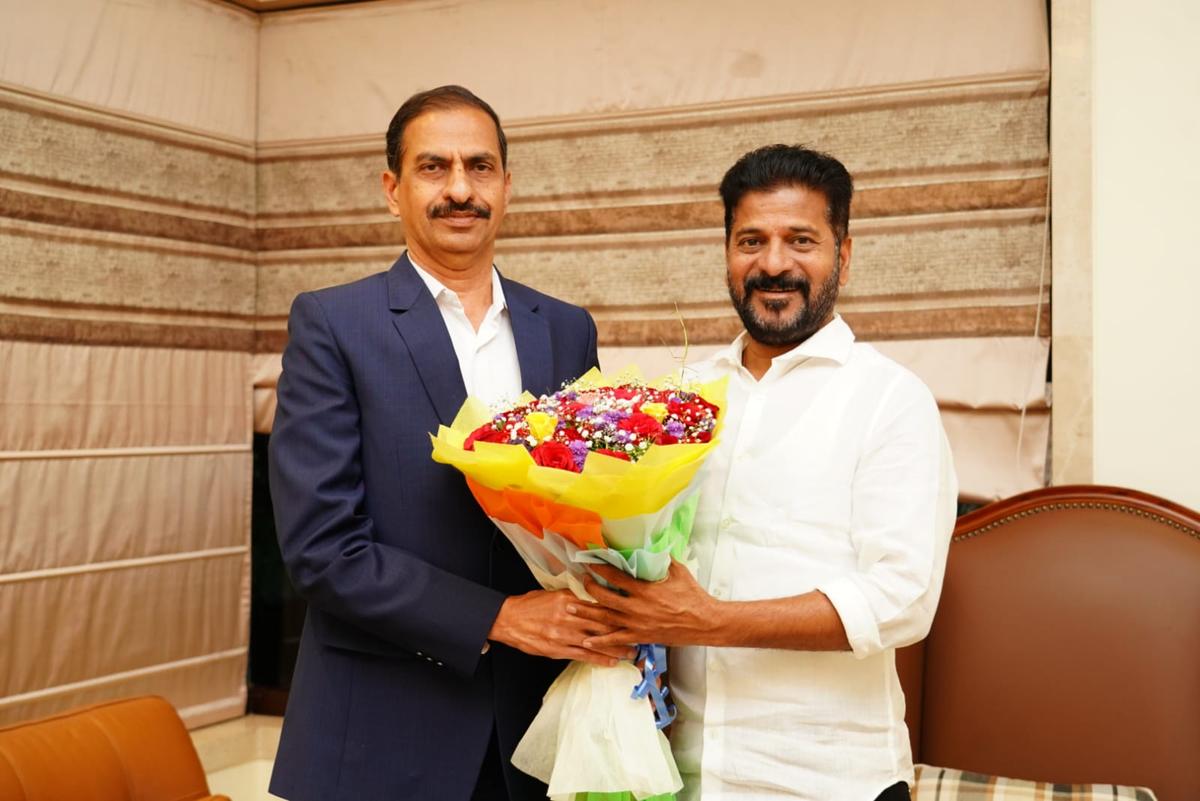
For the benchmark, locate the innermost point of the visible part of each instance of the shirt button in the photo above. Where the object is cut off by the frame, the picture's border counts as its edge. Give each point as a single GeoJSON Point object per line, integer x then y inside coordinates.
{"type": "Point", "coordinates": [726, 523]}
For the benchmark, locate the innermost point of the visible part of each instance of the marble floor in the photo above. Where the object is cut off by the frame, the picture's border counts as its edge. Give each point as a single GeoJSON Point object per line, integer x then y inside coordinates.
{"type": "Point", "coordinates": [237, 756]}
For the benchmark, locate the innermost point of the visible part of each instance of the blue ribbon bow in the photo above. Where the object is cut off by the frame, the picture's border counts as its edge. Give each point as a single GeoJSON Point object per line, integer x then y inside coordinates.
{"type": "Point", "coordinates": [654, 664]}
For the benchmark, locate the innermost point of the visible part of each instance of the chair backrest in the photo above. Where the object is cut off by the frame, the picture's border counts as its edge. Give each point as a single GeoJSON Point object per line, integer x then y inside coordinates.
{"type": "Point", "coordinates": [1066, 646]}
{"type": "Point", "coordinates": [130, 750]}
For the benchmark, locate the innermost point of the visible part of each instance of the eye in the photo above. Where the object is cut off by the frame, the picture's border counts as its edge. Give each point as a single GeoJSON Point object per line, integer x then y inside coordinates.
{"type": "Point", "coordinates": [749, 242]}
{"type": "Point", "coordinates": [430, 167]}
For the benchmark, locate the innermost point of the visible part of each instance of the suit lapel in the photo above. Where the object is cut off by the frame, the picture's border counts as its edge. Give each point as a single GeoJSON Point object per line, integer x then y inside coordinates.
{"type": "Point", "coordinates": [531, 332]}
{"type": "Point", "coordinates": [419, 322]}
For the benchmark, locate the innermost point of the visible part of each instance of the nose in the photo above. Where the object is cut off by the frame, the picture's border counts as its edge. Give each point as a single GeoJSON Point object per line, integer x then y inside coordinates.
{"type": "Point", "coordinates": [458, 185]}
{"type": "Point", "coordinates": [774, 259]}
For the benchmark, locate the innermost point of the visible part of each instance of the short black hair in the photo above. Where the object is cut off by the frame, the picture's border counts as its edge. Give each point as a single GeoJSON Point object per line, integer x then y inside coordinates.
{"type": "Point", "coordinates": [777, 166]}
{"type": "Point", "coordinates": [443, 97]}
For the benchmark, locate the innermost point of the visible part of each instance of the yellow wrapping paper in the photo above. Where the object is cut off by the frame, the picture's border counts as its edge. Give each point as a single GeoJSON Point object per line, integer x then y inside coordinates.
{"type": "Point", "coordinates": [610, 487]}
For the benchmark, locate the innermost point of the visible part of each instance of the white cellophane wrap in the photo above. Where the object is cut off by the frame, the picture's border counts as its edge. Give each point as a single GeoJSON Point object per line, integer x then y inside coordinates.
{"type": "Point", "coordinates": [591, 735]}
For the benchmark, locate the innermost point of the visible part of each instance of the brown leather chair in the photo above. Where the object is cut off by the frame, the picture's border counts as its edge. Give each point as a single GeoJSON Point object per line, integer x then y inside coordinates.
{"type": "Point", "coordinates": [135, 749]}
{"type": "Point", "coordinates": [1066, 646]}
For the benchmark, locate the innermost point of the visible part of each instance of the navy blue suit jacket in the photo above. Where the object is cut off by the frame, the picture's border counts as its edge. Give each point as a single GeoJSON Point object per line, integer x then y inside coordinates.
{"type": "Point", "coordinates": [402, 572]}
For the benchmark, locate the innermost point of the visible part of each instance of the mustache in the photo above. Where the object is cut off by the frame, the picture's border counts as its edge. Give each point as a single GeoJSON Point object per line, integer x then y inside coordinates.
{"type": "Point", "coordinates": [776, 283]}
{"type": "Point", "coordinates": [453, 207]}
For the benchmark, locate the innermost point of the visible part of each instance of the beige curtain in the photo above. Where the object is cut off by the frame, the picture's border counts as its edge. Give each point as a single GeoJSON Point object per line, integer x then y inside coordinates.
{"type": "Point", "coordinates": [331, 73]}
{"type": "Point", "coordinates": [124, 565]}
{"type": "Point", "coordinates": [126, 321]}
{"type": "Point", "coordinates": [129, 56]}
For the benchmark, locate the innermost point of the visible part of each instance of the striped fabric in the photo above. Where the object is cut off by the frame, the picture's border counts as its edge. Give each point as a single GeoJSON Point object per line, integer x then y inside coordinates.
{"type": "Point", "coordinates": [947, 784]}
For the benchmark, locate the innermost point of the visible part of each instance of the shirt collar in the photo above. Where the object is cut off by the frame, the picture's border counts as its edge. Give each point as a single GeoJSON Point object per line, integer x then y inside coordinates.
{"type": "Point", "coordinates": [436, 287]}
{"type": "Point", "coordinates": [832, 342]}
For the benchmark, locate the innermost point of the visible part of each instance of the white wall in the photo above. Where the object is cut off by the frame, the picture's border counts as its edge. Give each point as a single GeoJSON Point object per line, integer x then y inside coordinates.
{"type": "Point", "coordinates": [1146, 218]}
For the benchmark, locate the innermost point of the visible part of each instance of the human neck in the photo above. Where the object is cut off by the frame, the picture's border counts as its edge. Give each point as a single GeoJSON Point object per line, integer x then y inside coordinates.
{"type": "Point", "coordinates": [469, 277]}
{"type": "Point", "coordinates": [757, 357]}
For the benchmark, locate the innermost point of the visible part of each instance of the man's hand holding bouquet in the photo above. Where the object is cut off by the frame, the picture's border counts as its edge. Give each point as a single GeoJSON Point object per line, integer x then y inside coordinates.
{"type": "Point", "coordinates": [600, 473]}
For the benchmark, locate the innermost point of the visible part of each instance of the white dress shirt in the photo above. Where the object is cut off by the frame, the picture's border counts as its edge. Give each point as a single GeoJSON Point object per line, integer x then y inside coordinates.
{"type": "Point", "coordinates": [487, 357]}
{"type": "Point", "coordinates": [832, 473]}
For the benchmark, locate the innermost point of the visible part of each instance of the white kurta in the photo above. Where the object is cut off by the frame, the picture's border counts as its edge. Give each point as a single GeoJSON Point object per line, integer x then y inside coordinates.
{"type": "Point", "coordinates": [833, 473]}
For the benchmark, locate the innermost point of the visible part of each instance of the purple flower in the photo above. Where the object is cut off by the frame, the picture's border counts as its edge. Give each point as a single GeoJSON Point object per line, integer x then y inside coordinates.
{"type": "Point", "coordinates": [674, 428]}
{"type": "Point", "coordinates": [579, 450]}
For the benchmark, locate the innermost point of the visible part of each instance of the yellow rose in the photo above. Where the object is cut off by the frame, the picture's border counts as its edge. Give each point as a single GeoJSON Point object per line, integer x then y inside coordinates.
{"type": "Point", "coordinates": [656, 410]}
{"type": "Point", "coordinates": [541, 425]}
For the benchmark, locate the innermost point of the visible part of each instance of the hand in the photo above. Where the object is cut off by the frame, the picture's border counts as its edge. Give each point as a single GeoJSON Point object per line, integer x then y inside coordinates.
{"type": "Point", "coordinates": [675, 611]}
{"type": "Point", "coordinates": [545, 623]}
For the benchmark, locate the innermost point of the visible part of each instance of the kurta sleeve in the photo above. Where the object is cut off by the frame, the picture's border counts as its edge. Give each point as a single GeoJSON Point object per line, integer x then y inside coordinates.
{"type": "Point", "coordinates": [904, 498]}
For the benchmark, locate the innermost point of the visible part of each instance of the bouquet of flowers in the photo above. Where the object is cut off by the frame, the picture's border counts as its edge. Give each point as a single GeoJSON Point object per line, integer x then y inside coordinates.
{"type": "Point", "coordinates": [601, 471]}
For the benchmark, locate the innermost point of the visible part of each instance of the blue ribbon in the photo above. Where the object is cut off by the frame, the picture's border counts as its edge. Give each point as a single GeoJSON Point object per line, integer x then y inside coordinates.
{"type": "Point", "coordinates": [654, 664]}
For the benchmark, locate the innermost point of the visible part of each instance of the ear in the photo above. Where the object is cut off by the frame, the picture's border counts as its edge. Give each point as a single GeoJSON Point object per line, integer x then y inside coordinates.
{"type": "Point", "coordinates": [507, 188]}
{"type": "Point", "coordinates": [844, 261]}
{"type": "Point", "coordinates": [391, 191]}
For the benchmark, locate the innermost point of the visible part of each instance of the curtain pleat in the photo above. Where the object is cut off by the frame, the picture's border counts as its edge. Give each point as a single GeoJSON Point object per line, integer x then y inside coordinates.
{"type": "Point", "coordinates": [124, 565]}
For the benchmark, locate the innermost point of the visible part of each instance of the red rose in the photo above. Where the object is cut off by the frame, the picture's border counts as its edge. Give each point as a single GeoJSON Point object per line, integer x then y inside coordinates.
{"type": "Point", "coordinates": [626, 393]}
{"type": "Point", "coordinates": [641, 424]}
{"type": "Point", "coordinates": [691, 410]}
{"type": "Point", "coordinates": [614, 454]}
{"type": "Point", "coordinates": [704, 436]}
{"type": "Point", "coordinates": [712, 407]}
{"type": "Point", "coordinates": [566, 434]}
{"type": "Point", "coordinates": [684, 411]}
{"type": "Point", "coordinates": [554, 454]}
{"type": "Point", "coordinates": [666, 439]}
{"type": "Point", "coordinates": [485, 433]}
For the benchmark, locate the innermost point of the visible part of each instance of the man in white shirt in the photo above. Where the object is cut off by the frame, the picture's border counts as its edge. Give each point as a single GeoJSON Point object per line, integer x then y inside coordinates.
{"type": "Point", "coordinates": [423, 655]}
{"type": "Point", "coordinates": [823, 526]}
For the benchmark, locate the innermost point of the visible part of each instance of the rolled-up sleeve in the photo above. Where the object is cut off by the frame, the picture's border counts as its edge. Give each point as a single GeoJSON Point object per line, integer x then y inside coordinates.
{"type": "Point", "coordinates": [904, 497]}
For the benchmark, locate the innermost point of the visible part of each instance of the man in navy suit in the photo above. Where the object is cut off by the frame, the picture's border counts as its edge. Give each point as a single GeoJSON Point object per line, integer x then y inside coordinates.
{"type": "Point", "coordinates": [427, 646]}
